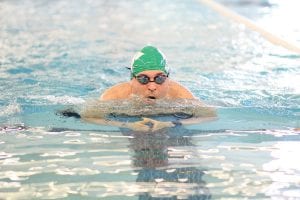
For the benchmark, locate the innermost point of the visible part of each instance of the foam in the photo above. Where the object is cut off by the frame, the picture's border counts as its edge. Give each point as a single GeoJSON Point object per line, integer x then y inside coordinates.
{"type": "Point", "coordinates": [59, 99]}
{"type": "Point", "coordinates": [11, 109]}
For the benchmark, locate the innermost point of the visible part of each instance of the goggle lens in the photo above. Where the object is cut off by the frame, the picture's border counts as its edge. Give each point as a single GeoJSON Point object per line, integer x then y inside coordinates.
{"type": "Point", "coordinates": [159, 79]}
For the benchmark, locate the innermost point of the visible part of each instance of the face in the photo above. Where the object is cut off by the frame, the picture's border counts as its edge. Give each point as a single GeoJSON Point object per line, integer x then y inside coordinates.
{"type": "Point", "coordinates": [150, 90]}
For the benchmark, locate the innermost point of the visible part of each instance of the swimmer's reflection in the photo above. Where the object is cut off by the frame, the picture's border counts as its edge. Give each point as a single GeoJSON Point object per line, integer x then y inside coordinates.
{"type": "Point", "coordinates": [156, 163]}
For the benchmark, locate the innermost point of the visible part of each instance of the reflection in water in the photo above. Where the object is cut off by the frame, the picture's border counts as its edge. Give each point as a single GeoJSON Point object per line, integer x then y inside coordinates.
{"type": "Point", "coordinates": [170, 164]}
{"type": "Point", "coordinates": [152, 154]}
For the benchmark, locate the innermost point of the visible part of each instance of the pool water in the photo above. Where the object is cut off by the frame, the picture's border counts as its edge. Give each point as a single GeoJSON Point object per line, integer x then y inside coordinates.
{"type": "Point", "coordinates": [59, 54]}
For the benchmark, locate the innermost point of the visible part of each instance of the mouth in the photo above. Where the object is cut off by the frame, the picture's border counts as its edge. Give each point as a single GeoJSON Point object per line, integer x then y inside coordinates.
{"type": "Point", "coordinates": [151, 97]}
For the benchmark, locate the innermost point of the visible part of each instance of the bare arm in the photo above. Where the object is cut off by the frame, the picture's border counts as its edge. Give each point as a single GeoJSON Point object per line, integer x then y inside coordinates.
{"type": "Point", "coordinates": [198, 120]}
{"type": "Point", "coordinates": [205, 114]}
{"type": "Point", "coordinates": [144, 126]}
{"type": "Point", "coordinates": [89, 115]}
{"type": "Point", "coordinates": [210, 116]}
{"type": "Point", "coordinates": [137, 126]}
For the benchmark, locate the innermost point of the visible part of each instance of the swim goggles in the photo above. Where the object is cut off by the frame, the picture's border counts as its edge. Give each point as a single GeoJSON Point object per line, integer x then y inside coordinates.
{"type": "Point", "coordinates": [144, 79]}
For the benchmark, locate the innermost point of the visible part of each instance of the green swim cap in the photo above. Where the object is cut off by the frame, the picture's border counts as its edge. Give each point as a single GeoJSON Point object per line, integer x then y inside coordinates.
{"type": "Point", "coordinates": [149, 58]}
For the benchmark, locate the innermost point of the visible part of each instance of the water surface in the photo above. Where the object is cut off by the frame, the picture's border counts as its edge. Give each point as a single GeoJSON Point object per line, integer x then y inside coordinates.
{"type": "Point", "coordinates": [58, 54]}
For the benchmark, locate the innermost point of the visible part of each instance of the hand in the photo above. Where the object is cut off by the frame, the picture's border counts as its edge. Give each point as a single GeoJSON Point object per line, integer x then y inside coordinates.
{"type": "Point", "coordinates": [157, 125]}
{"type": "Point", "coordinates": [139, 125]}
{"type": "Point", "coordinates": [144, 125]}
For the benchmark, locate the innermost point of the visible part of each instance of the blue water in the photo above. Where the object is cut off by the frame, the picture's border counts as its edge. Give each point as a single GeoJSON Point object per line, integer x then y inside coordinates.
{"type": "Point", "coordinates": [58, 54]}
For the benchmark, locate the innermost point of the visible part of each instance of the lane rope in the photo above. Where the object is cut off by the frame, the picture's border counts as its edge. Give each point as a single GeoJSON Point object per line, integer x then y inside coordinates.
{"type": "Point", "coordinates": [250, 24]}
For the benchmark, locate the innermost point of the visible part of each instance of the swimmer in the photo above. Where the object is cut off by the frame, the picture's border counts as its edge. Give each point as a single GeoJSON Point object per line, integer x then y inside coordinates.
{"type": "Point", "coordinates": [149, 81]}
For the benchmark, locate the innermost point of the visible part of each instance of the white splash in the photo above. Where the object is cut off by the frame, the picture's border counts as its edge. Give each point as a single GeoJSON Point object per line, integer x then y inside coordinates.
{"type": "Point", "coordinates": [11, 109]}
{"type": "Point", "coordinates": [59, 99]}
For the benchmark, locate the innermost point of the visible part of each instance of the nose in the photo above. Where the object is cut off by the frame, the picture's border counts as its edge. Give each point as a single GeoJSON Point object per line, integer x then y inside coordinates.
{"type": "Point", "coordinates": [152, 86]}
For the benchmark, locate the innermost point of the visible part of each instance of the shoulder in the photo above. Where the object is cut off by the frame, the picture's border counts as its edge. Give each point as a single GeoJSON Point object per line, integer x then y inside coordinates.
{"type": "Point", "coordinates": [119, 91]}
{"type": "Point", "coordinates": [176, 90]}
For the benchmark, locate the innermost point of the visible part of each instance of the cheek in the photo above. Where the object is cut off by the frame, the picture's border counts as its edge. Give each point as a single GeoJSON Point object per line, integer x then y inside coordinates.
{"type": "Point", "coordinates": [138, 88]}
{"type": "Point", "coordinates": [163, 89]}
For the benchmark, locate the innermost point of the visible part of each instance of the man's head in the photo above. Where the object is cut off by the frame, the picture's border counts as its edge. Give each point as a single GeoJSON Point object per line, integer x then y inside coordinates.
{"type": "Point", "coordinates": [149, 74]}
{"type": "Point", "coordinates": [149, 58]}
